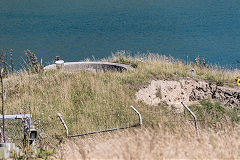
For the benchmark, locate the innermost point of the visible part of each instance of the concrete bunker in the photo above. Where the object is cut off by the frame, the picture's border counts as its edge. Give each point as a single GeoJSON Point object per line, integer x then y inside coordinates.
{"type": "Point", "coordinates": [92, 66]}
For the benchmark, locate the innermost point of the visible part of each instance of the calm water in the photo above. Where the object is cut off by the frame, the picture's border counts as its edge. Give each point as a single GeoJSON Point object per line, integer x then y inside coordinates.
{"type": "Point", "coordinates": [80, 29]}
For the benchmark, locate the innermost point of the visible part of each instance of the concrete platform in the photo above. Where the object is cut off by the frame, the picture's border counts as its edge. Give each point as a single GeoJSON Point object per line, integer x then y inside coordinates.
{"type": "Point", "coordinates": [92, 66]}
{"type": "Point", "coordinates": [6, 149]}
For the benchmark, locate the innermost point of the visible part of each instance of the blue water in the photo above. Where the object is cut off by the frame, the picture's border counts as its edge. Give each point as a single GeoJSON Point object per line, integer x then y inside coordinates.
{"type": "Point", "coordinates": [80, 29]}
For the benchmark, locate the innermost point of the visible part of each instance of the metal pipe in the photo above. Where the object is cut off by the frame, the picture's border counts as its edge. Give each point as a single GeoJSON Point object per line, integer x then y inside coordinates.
{"type": "Point", "coordinates": [60, 116]}
{"type": "Point", "coordinates": [194, 116]}
{"type": "Point", "coordinates": [106, 130]}
{"type": "Point", "coordinates": [16, 116]}
{"type": "Point", "coordinates": [139, 115]}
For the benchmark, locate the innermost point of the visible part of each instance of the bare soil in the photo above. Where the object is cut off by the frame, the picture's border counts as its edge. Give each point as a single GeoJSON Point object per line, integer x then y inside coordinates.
{"type": "Point", "coordinates": [187, 90]}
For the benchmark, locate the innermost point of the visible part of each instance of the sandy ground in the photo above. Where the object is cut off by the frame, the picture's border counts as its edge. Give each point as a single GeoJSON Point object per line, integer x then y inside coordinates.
{"type": "Point", "coordinates": [171, 93]}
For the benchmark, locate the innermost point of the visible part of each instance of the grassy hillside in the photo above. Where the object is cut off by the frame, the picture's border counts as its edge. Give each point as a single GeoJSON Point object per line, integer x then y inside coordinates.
{"type": "Point", "coordinates": [93, 101]}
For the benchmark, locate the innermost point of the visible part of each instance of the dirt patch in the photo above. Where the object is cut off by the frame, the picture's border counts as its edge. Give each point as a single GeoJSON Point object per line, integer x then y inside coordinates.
{"type": "Point", "coordinates": [188, 91]}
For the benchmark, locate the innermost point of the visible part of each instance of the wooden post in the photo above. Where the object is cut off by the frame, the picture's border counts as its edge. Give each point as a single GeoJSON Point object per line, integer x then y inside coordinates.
{"type": "Point", "coordinates": [2, 96]}
{"type": "Point", "coordinates": [11, 59]}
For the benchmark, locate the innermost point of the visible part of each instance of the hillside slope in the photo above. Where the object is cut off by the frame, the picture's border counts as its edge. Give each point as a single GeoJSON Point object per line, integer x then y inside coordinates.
{"type": "Point", "coordinates": [92, 101]}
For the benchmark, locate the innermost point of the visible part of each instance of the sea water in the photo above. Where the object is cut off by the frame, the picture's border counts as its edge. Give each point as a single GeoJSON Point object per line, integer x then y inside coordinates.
{"type": "Point", "coordinates": [80, 29]}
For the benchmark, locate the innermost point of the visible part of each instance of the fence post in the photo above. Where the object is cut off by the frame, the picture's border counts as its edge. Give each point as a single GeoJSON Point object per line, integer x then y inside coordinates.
{"type": "Point", "coordinates": [2, 96]}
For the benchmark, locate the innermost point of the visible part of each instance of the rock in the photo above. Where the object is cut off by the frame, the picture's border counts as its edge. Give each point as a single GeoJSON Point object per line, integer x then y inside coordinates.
{"type": "Point", "coordinates": [188, 91]}
{"type": "Point", "coordinates": [177, 107]}
{"type": "Point", "coordinates": [228, 96]}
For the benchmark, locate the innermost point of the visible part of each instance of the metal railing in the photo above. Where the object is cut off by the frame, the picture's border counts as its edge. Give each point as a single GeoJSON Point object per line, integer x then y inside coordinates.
{"type": "Point", "coordinates": [106, 130]}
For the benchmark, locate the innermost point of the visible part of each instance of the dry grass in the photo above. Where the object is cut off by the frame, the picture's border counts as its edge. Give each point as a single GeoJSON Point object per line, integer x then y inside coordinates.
{"type": "Point", "coordinates": [159, 143]}
{"type": "Point", "coordinates": [94, 101]}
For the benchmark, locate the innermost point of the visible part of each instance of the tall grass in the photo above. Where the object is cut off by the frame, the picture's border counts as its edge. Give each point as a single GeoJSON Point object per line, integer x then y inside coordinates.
{"type": "Point", "coordinates": [158, 143]}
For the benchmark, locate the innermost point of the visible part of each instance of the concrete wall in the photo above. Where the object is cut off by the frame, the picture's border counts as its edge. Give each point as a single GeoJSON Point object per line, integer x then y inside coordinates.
{"type": "Point", "coordinates": [94, 66]}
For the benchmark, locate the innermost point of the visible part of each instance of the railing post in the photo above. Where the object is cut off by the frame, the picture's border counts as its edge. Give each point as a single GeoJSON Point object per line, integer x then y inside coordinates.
{"type": "Point", "coordinates": [194, 117]}
{"type": "Point", "coordinates": [60, 116]}
{"type": "Point", "coordinates": [139, 115]}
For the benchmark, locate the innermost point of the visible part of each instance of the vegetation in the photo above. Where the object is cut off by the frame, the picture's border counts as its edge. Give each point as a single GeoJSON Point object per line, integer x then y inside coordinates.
{"type": "Point", "coordinates": [157, 143]}
{"type": "Point", "coordinates": [215, 114]}
{"type": "Point", "coordinates": [94, 101]}
{"type": "Point", "coordinates": [32, 64]}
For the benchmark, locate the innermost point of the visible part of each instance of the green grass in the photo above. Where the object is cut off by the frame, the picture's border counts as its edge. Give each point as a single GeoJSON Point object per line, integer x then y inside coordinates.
{"type": "Point", "coordinates": [211, 114]}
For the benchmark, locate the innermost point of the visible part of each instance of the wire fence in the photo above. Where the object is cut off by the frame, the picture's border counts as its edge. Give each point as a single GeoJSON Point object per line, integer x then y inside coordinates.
{"type": "Point", "coordinates": [14, 132]}
{"type": "Point", "coordinates": [51, 132]}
